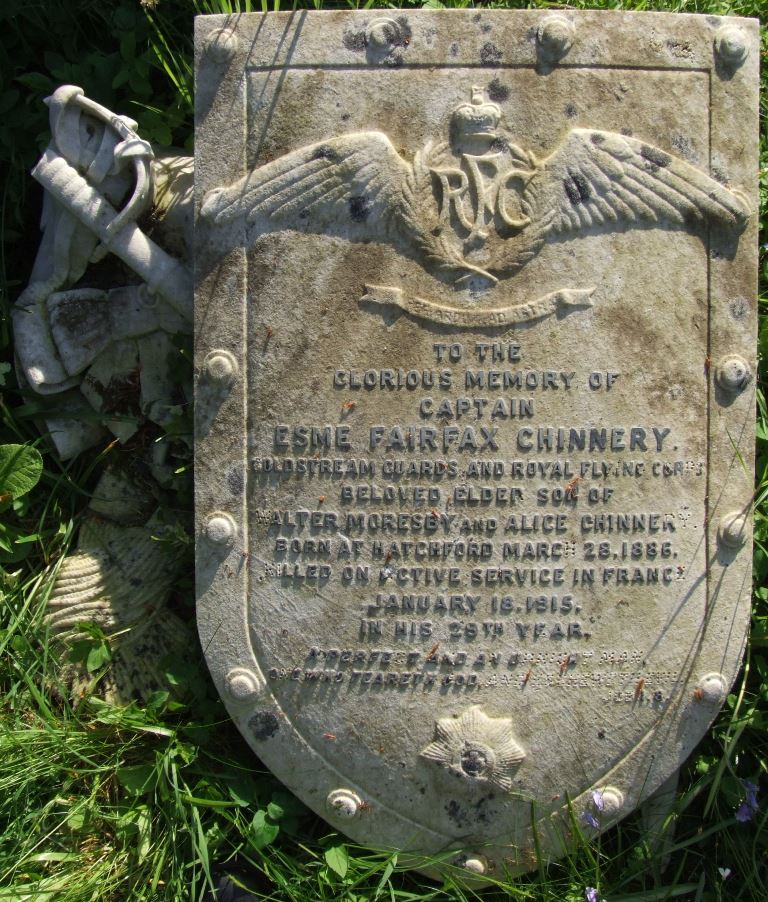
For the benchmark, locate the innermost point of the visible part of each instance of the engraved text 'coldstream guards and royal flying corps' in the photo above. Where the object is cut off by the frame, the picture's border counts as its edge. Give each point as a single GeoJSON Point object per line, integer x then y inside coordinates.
{"type": "Point", "coordinates": [477, 208]}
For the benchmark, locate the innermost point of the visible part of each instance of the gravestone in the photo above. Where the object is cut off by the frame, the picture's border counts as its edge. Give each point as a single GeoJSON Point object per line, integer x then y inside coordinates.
{"type": "Point", "coordinates": [475, 321]}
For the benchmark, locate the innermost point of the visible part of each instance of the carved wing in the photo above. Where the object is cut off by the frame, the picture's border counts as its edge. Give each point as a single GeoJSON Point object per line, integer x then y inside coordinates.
{"type": "Point", "coordinates": [355, 179]}
{"type": "Point", "coordinates": [600, 178]}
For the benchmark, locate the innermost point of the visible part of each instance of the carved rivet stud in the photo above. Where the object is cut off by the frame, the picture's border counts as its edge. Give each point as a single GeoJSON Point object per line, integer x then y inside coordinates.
{"type": "Point", "coordinates": [731, 45]}
{"type": "Point", "coordinates": [243, 685]}
{"type": "Point", "coordinates": [220, 529]}
{"type": "Point", "coordinates": [711, 688]}
{"type": "Point", "coordinates": [220, 367]}
{"type": "Point", "coordinates": [613, 799]}
{"type": "Point", "coordinates": [475, 864]}
{"type": "Point", "coordinates": [382, 34]}
{"type": "Point", "coordinates": [733, 373]}
{"type": "Point", "coordinates": [732, 531]}
{"type": "Point", "coordinates": [344, 803]}
{"type": "Point", "coordinates": [555, 37]}
{"type": "Point", "coordinates": [221, 45]}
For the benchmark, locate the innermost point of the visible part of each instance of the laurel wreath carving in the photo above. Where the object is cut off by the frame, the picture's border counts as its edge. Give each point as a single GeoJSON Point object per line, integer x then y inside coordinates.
{"type": "Point", "coordinates": [430, 236]}
{"type": "Point", "coordinates": [419, 212]}
{"type": "Point", "coordinates": [421, 216]}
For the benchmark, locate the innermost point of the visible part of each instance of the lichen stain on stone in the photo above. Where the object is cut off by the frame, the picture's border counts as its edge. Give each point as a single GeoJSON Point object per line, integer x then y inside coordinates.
{"type": "Point", "coordinates": [469, 815]}
{"type": "Point", "coordinates": [359, 208]}
{"type": "Point", "coordinates": [354, 40]}
{"type": "Point", "coordinates": [456, 813]}
{"type": "Point", "coordinates": [490, 54]}
{"type": "Point", "coordinates": [738, 309]}
{"type": "Point", "coordinates": [577, 189]}
{"type": "Point", "coordinates": [325, 152]}
{"type": "Point", "coordinates": [235, 480]}
{"type": "Point", "coordinates": [76, 312]}
{"type": "Point", "coordinates": [628, 330]}
{"type": "Point", "coordinates": [680, 49]}
{"type": "Point", "coordinates": [685, 147]}
{"type": "Point", "coordinates": [406, 32]}
{"type": "Point", "coordinates": [656, 157]}
{"type": "Point", "coordinates": [498, 92]}
{"type": "Point", "coordinates": [483, 815]}
{"type": "Point", "coordinates": [263, 725]}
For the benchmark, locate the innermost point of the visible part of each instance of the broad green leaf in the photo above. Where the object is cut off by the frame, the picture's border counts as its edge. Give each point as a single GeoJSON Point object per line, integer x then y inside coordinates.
{"type": "Point", "coordinates": [144, 825]}
{"type": "Point", "coordinates": [20, 469]}
{"type": "Point", "coordinates": [337, 860]}
{"type": "Point", "coordinates": [12, 548]}
{"type": "Point", "coordinates": [262, 832]}
{"type": "Point", "coordinates": [274, 811]}
{"type": "Point", "coordinates": [76, 820]}
{"type": "Point", "coordinates": [55, 856]}
{"type": "Point", "coordinates": [98, 656]}
{"type": "Point", "coordinates": [91, 629]}
{"type": "Point", "coordinates": [137, 778]}
{"type": "Point", "coordinates": [242, 789]}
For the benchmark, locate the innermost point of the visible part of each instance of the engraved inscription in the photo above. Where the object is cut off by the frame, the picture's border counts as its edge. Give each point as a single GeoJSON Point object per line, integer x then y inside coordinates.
{"type": "Point", "coordinates": [450, 543]}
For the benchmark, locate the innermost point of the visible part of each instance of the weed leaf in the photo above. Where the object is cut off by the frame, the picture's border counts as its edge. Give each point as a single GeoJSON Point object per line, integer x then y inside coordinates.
{"type": "Point", "coordinates": [98, 656]}
{"type": "Point", "coordinates": [20, 469]}
{"type": "Point", "coordinates": [262, 831]}
{"type": "Point", "coordinates": [137, 779]}
{"type": "Point", "coordinates": [274, 811]}
{"type": "Point", "coordinates": [337, 860]}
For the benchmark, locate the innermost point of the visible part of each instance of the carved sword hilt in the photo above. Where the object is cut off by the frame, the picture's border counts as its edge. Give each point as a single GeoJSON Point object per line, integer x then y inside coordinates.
{"type": "Point", "coordinates": [108, 160]}
{"type": "Point", "coordinates": [162, 273]}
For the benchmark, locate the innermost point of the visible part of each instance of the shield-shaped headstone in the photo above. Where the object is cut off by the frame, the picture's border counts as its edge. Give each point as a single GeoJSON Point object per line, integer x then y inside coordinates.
{"type": "Point", "coordinates": [475, 323]}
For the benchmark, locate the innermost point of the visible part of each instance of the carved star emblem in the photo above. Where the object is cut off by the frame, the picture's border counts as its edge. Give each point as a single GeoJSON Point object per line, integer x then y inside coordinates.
{"type": "Point", "coordinates": [479, 748]}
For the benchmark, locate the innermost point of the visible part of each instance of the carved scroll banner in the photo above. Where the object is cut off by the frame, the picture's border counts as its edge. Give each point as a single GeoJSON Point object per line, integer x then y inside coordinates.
{"type": "Point", "coordinates": [475, 326]}
{"type": "Point", "coordinates": [557, 302]}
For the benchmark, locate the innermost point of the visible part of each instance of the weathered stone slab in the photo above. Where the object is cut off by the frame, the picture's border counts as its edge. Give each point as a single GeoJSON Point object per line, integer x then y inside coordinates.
{"type": "Point", "coordinates": [475, 324]}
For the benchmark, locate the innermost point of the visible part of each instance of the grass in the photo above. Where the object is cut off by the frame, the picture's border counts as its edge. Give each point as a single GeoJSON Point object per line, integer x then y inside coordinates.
{"type": "Point", "coordinates": [154, 802]}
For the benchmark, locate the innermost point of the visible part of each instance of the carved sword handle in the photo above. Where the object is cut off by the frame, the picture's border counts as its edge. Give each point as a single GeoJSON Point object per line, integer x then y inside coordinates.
{"type": "Point", "coordinates": [162, 273]}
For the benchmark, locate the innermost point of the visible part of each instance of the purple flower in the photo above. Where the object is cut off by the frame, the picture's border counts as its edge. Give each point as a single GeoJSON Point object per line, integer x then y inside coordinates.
{"type": "Point", "coordinates": [590, 820]}
{"type": "Point", "coordinates": [591, 894]}
{"type": "Point", "coordinates": [744, 813]}
{"type": "Point", "coordinates": [749, 807]}
{"type": "Point", "coordinates": [597, 800]}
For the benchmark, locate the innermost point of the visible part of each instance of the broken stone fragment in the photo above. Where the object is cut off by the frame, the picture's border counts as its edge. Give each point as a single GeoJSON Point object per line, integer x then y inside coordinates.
{"type": "Point", "coordinates": [120, 579]}
{"type": "Point", "coordinates": [123, 499]}
{"type": "Point", "coordinates": [111, 386]}
{"type": "Point", "coordinates": [75, 426]}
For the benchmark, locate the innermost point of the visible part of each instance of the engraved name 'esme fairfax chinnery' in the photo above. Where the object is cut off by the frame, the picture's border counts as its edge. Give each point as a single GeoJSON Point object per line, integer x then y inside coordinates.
{"type": "Point", "coordinates": [473, 490]}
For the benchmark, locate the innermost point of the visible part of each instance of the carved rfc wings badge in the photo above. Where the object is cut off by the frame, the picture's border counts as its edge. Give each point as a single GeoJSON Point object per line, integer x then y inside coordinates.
{"type": "Point", "coordinates": [477, 208]}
